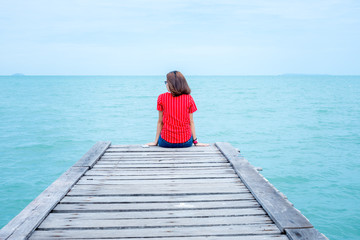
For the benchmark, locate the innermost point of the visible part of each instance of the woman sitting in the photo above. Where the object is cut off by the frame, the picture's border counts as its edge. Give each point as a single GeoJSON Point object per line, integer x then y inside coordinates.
{"type": "Point", "coordinates": [175, 127]}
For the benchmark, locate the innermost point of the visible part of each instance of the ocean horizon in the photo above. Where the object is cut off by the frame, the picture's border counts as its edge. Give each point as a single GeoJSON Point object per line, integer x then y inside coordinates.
{"type": "Point", "coordinates": [187, 75]}
{"type": "Point", "coordinates": [303, 130]}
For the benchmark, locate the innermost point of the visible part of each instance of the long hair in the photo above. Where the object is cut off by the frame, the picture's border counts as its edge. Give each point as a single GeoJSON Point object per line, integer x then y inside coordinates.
{"type": "Point", "coordinates": [177, 83]}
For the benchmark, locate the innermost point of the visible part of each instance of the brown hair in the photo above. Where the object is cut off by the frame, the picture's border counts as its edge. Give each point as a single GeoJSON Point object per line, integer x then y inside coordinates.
{"type": "Point", "coordinates": [177, 83]}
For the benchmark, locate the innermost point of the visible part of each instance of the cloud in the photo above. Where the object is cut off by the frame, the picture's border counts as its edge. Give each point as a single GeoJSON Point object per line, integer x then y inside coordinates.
{"type": "Point", "coordinates": [188, 32]}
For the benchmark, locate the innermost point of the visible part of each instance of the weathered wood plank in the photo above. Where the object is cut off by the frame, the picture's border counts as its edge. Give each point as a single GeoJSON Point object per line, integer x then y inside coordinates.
{"type": "Point", "coordinates": [246, 237]}
{"type": "Point", "coordinates": [160, 177]}
{"type": "Point", "coordinates": [305, 234]}
{"type": "Point", "coordinates": [168, 158]}
{"type": "Point", "coordinates": [193, 213]}
{"type": "Point", "coordinates": [154, 191]}
{"type": "Point", "coordinates": [156, 175]}
{"type": "Point", "coordinates": [167, 172]}
{"type": "Point", "coordinates": [153, 186]}
{"type": "Point", "coordinates": [241, 230]}
{"type": "Point", "coordinates": [154, 206]}
{"type": "Point", "coordinates": [142, 150]}
{"type": "Point", "coordinates": [211, 145]}
{"type": "Point", "coordinates": [33, 214]}
{"type": "Point", "coordinates": [89, 180]}
{"type": "Point", "coordinates": [164, 163]}
{"type": "Point", "coordinates": [280, 210]}
{"type": "Point", "coordinates": [164, 159]}
{"type": "Point", "coordinates": [135, 192]}
{"type": "Point", "coordinates": [165, 151]}
{"type": "Point", "coordinates": [159, 169]}
{"type": "Point", "coordinates": [94, 154]}
{"type": "Point", "coordinates": [162, 154]}
{"type": "Point", "coordinates": [103, 176]}
{"type": "Point", "coordinates": [157, 199]}
{"type": "Point", "coordinates": [170, 170]}
{"type": "Point", "coordinates": [127, 189]}
{"type": "Point", "coordinates": [124, 155]}
{"type": "Point", "coordinates": [160, 165]}
{"type": "Point", "coordinates": [67, 224]}
{"type": "Point", "coordinates": [161, 161]}
{"type": "Point", "coordinates": [161, 149]}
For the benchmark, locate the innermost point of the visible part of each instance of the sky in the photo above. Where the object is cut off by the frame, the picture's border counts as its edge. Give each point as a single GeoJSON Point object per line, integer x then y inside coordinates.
{"type": "Point", "coordinates": [197, 37]}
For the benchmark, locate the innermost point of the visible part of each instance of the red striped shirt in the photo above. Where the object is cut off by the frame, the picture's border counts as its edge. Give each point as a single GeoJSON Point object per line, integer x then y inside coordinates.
{"type": "Point", "coordinates": [176, 118]}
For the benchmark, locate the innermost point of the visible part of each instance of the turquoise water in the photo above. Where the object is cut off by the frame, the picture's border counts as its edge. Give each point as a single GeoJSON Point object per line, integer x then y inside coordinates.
{"type": "Point", "coordinates": [304, 131]}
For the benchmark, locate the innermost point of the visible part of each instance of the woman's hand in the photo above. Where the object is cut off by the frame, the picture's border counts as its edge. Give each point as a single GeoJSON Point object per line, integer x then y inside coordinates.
{"type": "Point", "coordinates": [151, 144]}
{"type": "Point", "coordinates": [202, 144]}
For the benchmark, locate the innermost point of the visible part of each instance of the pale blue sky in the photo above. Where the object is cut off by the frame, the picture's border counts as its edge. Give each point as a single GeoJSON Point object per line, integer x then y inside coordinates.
{"type": "Point", "coordinates": [225, 37]}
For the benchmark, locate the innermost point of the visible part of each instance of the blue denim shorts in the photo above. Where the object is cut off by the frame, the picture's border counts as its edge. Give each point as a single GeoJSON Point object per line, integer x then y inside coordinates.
{"type": "Point", "coordinates": [163, 143]}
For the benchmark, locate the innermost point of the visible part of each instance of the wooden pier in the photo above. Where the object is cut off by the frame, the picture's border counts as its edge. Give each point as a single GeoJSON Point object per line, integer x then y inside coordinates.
{"type": "Point", "coordinates": [132, 192]}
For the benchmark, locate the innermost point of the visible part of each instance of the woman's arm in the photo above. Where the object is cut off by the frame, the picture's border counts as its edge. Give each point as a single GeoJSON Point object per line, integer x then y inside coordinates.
{"type": "Point", "coordinates": [159, 127]}
{"type": "Point", "coordinates": [158, 130]}
{"type": "Point", "coordinates": [192, 126]}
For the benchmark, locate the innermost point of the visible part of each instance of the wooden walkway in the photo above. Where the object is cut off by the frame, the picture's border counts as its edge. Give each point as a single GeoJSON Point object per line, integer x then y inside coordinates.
{"type": "Point", "coordinates": [131, 192]}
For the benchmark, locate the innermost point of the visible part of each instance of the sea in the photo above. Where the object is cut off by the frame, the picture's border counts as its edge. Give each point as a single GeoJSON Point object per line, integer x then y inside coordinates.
{"type": "Point", "coordinates": [302, 130]}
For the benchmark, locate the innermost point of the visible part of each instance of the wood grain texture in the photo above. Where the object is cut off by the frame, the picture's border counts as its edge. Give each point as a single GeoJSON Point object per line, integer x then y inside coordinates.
{"type": "Point", "coordinates": [156, 189]}
{"type": "Point", "coordinates": [160, 161]}
{"type": "Point", "coordinates": [237, 237]}
{"type": "Point", "coordinates": [162, 155]}
{"type": "Point", "coordinates": [93, 155]}
{"type": "Point", "coordinates": [163, 158]}
{"type": "Point", "coordinates": [279, 209]}
{"type": "Point", "coordinates": [118, 207]}
{"type": "Point", "coordinates": [240, 230]}
{"type": "Point", "coordinates": [246, 237]}
{"type": "Point", "coordinates": [305, 234]}
{"type": "Point", "coordinates": [132, 192]}
{"type": "Point", "coordinates": [161, 214]}
{"type": "Point", "coordinates": [67, 224]}
{"type": "Point", "coordinates": [158, 199]}
{"type": "Point", "coordinates": [157, 181]}
{"type": "Point", "coordinates": [149, 176]}
{"type": "Point", "coordinates": [159, 165]}
{"type": "Point", "coordinates": [137, 148]}
{"type": "Point", "coordinates": [33, 214]}
{"type": "Point", "coordinates": [167, 172]}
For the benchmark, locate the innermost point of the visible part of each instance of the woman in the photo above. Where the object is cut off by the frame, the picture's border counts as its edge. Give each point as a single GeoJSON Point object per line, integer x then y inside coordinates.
{"type": "Point", "coordinates": [175, 127]}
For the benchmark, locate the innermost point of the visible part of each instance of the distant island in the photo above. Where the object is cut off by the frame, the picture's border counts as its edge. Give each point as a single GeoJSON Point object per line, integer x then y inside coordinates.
{"type": "Point", "coordinates": [304, 74]}
{"type": "Point", "coordinates": [18, 74]}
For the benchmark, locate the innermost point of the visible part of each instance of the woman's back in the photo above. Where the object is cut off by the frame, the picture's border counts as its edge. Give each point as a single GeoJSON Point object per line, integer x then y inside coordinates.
{"type": "Point", "coordinates": [176, 120]}
{"type": "Point", "coordinates": [175, 127]}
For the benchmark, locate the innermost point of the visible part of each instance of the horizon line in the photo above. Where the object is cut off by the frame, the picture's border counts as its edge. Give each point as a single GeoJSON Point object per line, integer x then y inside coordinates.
{"type": "Point", "coordinates": [148, 75]}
